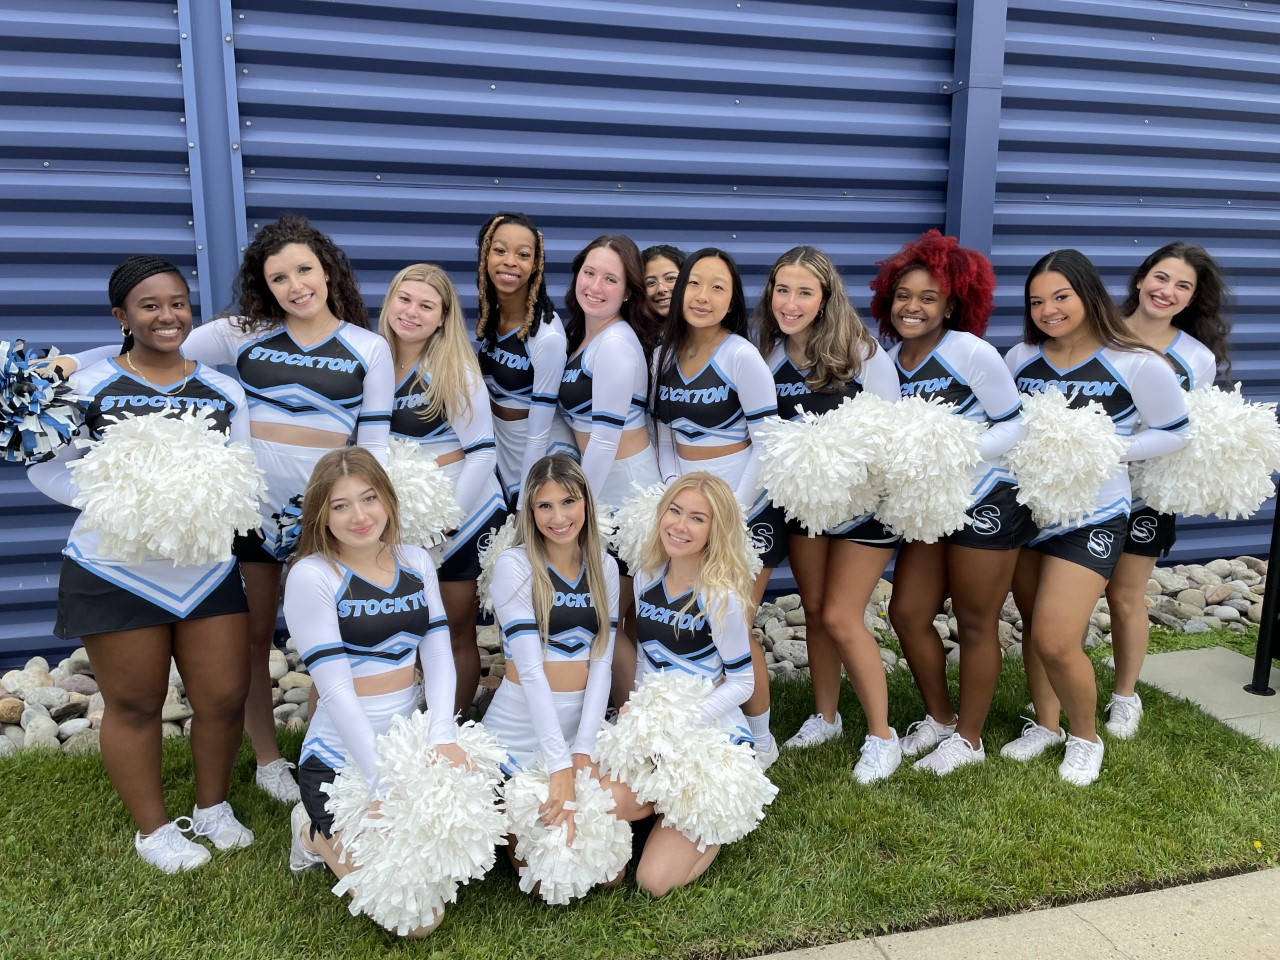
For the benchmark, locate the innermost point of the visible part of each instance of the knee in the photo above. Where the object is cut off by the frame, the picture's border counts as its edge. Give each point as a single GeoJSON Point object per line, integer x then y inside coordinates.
{"type": "Point", "coordinates": [1127, 604]}
{"type": "Point", "coordinates": [975, 622]}
{"type": "Point", "coordinates": [1055, 652]}
{"type": "Point", "coordinates": [653, 880]}
{"type": "Point", "coordinates": [223, 700]}
{"type": "Point", "coordinates": [135, 711]}
{"type": "Point", "coordinates": [840, 623]}
{"type": "Point", "coordinates": [907, 620]}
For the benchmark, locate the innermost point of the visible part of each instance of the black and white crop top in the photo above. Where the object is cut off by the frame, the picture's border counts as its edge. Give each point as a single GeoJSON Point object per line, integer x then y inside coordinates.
{"type": "Point", "coordinates": [571, 627]}
{"type": "Point", "coordinates": [602, 392]}
{"type": "Point", "coordinates": [1194, 364]}
{"type": "Point", "coordinates": [968, 373]}
{"type": "Point", "coordinates": [723, 403]}
{"type": "Point", "coordinates": [879, 375]}
{"type": "Point", "coordinates": [689, 634]}
{"type": "Point", "coordinates": [346, 627]}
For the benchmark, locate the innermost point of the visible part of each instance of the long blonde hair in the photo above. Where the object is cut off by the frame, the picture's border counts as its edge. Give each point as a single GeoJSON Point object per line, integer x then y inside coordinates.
{"type": "Point", "coordinates": [316, 537]}
{"type": "Point", "coordinates": [723, 571]}
{"type": "Point", "coordinates": [565, 471]}
{"type": "Point", "coordinates": [447, 368]}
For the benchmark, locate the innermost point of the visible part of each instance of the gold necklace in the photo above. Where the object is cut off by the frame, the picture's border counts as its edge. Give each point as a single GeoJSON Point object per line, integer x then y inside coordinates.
{"type": "Point", "coordinates": [172, 391]}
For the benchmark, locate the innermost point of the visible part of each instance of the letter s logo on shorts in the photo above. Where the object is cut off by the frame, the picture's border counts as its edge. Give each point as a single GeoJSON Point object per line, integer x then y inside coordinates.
{"type": "Point", "coordinates": [1100, 543]}
{"type": "Point", "coordinates": [483, 541]}
{"type": "Point", "coordinates": [762, 537]}
{"type": "Point", "coordinates": [986, 520]}
{"type": "Point", "coordinates": [1143, 529]}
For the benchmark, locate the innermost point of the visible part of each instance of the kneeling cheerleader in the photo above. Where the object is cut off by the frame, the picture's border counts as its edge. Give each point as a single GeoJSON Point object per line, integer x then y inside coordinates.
{"type": "Point", "coordinates": [362, 608]}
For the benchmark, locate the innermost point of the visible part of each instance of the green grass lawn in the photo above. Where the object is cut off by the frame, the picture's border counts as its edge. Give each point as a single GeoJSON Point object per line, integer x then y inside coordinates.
{"type": "Point", "coordinates": [832, 861]}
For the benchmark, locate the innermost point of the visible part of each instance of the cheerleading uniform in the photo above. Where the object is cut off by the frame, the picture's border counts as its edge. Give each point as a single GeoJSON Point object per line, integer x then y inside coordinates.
{"type": "Point", "coordinates": [878, 375]}
{"type": "Point", "coordinates": [347, 628]}
{"type": "Point", "coordinates": [702, 638]}
{"type": "Point", "coordinates": [602, 393]}
{"type": "Point", "coordinates": [1134, 387]}
{"type": "Point", "coordinates": [968, 373]}
{"type": "Point", "coordinates": [724, 403]}
{"type": "Point", "coordinates": [1151, 533]}
{"type": "Point", "coordinates": [531, 720]}
{"type": "Point", "coordinates": [475, 483]}
{"type": "Point", "coordinates": [523, 375]}
{"type": "Point", "coordinates": [98, 593]}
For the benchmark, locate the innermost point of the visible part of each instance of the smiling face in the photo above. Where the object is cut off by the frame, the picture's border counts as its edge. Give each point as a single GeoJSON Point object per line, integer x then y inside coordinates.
{"type": "Point", "coordinates": [708, 293]}
{"type": "Point", "coordinates": [601, 284]}
{"type": "Point", "coordinates": [511, 258]}
{"type": "Point", "coordinates": [686, 525]}
{"type": "Point", "coordinates": [356, 515]}
{"type": "Point", "coordinates": [415, 311]}
{"type": "Point", "coordinates": [797, 299]}
{"type": "Point", "coordinates": [1167, 289]}
{"type": "Point", "coordinates": [297, 280]}
{"type": "Point", "coordinates": [1055, 307]}
{"type": "Point", "coordinates": [659, 277]}
{"type": "Point", "coordinates": [919, 309]}
{"type": "Point", "coordinates": [157, 312]}
{"type": "Point", "coordinates": [558, 513]}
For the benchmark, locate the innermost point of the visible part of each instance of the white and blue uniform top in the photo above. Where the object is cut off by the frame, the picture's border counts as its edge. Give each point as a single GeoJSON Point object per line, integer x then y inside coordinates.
{"type": "Point", "coordinates": [602, 393]}
{"type": "Point", "coordinates": [968, 373]}
{"type": "Point", "coordinates": [345, 628]}
{"type": "Point", "coordinates": [879, 375]}
{"type": "Point", "coordinates": [571, 627]}
{"type": "Point", "coordinates": [1135, 387]}
{"type": "Point", "coordinates": [701, 638]}
{"type": "Point", "coordinates": [724, 403]}
{"type": "Point", "coordinates": [112, 393]}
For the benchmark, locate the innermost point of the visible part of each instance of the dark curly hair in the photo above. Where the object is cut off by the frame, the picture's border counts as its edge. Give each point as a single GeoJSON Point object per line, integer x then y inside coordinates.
{"type": "Point", "coordinates": [1203, 317]}
{"type": "Point", "coordinates": [257, 307]}
{"type": "Point", "coordinates": [635, 306]}
{"type": "Point", "coordinates": [538, 307]}
{"type": "Point", "coordinates": [964, 275]}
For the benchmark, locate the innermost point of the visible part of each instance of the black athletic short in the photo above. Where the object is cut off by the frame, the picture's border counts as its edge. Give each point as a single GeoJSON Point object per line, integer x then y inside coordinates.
{"type": "Point", "coordinates": [248, 548]}
{"type": "Point", "coordinates": [869, 532]}
{"type": "Point", "coordinates": [464, 562]}
{"type": "Point", "coordinates": [996, 522]}
{"type": "Point", "coordinates": [1096, 547]}
{"type": "Point", "coordinates": [768, 527]}
{"type": "Point", "coordinates": [313, 773]}
{"type": "Point", "coordinates": [1150, 534]}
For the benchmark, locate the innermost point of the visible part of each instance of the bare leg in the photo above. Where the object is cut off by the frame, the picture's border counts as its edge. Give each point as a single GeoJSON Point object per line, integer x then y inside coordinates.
{"type": "Point", "coordinates": [671, 860]}
{"type": "Point", "coordinates": [262, 589]}
{"type": "Point", "coordinates": [1130, 626]}
{"type": "Point", "coordinates": [809, 564]}
{"type": "Point", "coordinates": [919, 584]}
{"type": "Point", "coordinates": [132, 670]}
{"type": "Point", "coordinates": [980, 581]}
{"type": "Point", "coordinates": [213, 658]}
{"type": "Point", "coordinates": [624, 646]}
{"type": "Point", "coordinates": [1026, 584]}
{"type": "Point", "coordinates": [758, 702]}
{"type": "Point", "coordinates": [625, 805]}
{"type": "Point", "coordinates": [853, 571]}
{"type": "Point", "coordinates": [461, 609]}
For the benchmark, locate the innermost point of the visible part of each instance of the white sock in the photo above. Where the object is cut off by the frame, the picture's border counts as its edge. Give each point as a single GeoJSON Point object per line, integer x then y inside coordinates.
{"type": "Point", "coordinates": [200, 813]}
{"type": "Point", "coordinates": [759, 727]}
{"type": "Point", "coordinates": [1132, 698]}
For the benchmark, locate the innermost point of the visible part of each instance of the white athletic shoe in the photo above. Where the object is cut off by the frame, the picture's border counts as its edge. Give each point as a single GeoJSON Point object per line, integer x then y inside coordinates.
{"type": "Point", "coordinates": [952, 754]}
{"type": "Point", "coordinates": [169, 850]}
{"type": "Point", "coordinates": [1033, 741]}
{"type": "Point", "coordinates": [767, 754]}
{"type": "Point", "coordinates": [1083, 761]}
{"type": "Point", "coordinates": [220, 825]}
{"type": "Point", "coordinates": [925, 735]}
{"type": "Point", "coordinates": [301, 858]}
{"type": "Point", "coordinates": [1125, 714]}
{"type": "Point", "coordinates": [879, 758]}
{"type": "Point", "coordinates": [276, 780]}
{"type": "Point", "coordinates": [814, 731]}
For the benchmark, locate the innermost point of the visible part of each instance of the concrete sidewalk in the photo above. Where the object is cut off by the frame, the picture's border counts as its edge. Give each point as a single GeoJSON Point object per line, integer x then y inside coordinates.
{"type": "Point", "coordinates": [1236, 918]}
{"type": "Point", "coordinates": [1213, 679]}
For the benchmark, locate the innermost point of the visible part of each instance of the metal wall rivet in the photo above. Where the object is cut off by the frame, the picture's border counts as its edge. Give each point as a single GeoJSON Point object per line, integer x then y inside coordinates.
{"type": "Point", "coordinates": [244, 69]}
{"type": "Point", "coordinates": [227, 38]}
{"type": "Point", "coordinates": [45, 164]}
{"type": "Point", "coordinates": [248, 123]}
{"type": "Point", "coordinates": [235, 146]}
{"type": "Point", "coordinates": [184, 36]}
{"type": "Point", "coordinates": [190, 145]}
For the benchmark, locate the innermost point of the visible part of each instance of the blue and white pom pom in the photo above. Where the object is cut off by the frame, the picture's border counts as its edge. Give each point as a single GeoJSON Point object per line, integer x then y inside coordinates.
{"type": "Point", "coordinates": [562, 872]}
{"type": "Point", "coordinates": [169, 487]}
{"type": "Point", "coordinates": [436, 826]}
{"type": "Point", "coordinates": [707, 787]}
{"type": "Point", "coordinates": [38, 412]}
{"type": "Point", "coordinates": [428, 507]}
{"type": "Point", "coordinates": [635, 520]}
{"type": "Point", "coordinates": [1064, 459]}
{"type": "Point", "coordinates": [927, 469]}
{"type": "Point", "coordinates": [1225, 468]}
{"type": "Point", "coordinates": [288, 527]}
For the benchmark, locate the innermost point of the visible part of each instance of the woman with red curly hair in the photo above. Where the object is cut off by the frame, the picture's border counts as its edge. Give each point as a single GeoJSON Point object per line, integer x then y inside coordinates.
{"type": "Point", "coordinates": [933, 299]}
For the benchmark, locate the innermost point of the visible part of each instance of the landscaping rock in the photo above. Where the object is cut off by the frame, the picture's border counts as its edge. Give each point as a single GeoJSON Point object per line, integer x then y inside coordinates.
{"type": "Point", "coordinates": [792, 651]}
{"type": "Point", "coordinates": [881, 592]}
{"type": "Point", "coordinates": [285, 711]}
{"type": "Point", "coordinates": [79, 683]}
{"type": "Point", "coordinates": [293, 679]}
{"type": "Point", "coordinates": [795, 618]}
{"type": "Point", "coordinates": [10, 710]}
{"type": "Point", "coordinates": [78, 662]}
{"type": "Point", "coordinates": [791, 601]}
{"type": "Point", "coordinates": [1168, 581]}
{"type": "Point", "coordinates": [15, 733]}
{"type": "Point", "coordinates": [489, 639]}
{"type": "Point", "coordinates": [1193, 597]}
{"type": "Point", "coordinates": [86, 741]}
{"type": "Point", "coordinates": [1195, 625]}
{"type": "Point", "coordinates": [72, 708]}
{"type": "Point", "coordinates": [888, 658]}
{"type": "Point", "coordinates": [297, 695]}
{"type": "Point", "coordinates": [39, 728]}
{"type": "Point", "coordinates": [174, 712]}
{"type": "Point", "coordinates": [1253, 563]}
{"type": "Point", "coordinates": [24, 681]}
{"type": "Point", "coordinates": [48, 697]}
{"type": "Point", "coordinates": [170, 730]}
{"type": "Point", "coordinates": [7, 746]}
{"type": "Point", "coordinates": [1014, 650]}
{"type": "Point", "coordinates": [1223, 613]}
{"type": "Point", "coordinates": [30, 712]}
{"type": "Point", "coordinates": [69, 728]}
{"type": "Point", "coordinates": [1221, 568]}
{"type": "Point", "coordinates": [277, 664]}
{"type": "Point", "coordinates": [1255, 612]}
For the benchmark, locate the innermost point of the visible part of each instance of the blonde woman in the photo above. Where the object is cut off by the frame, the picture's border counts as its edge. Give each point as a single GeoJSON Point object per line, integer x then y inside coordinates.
{"type": "Point", "coordinates": [440, 402]}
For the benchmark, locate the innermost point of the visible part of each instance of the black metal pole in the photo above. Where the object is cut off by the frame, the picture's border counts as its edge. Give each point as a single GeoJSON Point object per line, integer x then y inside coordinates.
{"type": "Point", "coordinates": [1267, 628]}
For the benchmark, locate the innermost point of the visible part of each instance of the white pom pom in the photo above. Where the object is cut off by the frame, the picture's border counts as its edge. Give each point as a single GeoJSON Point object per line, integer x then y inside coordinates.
{"type": "Point", "coordinates": [1225, 468]}
{"type": "Point", "coordinates": [634, 522]}
{"type": "Point", "coordinates": [428, 507]}
{"type": "Point", "coordinates": [1066, 456]}
{"type": "Point", "coordinates": [708, 788]}
{"type": "Point", "coordinates": [927, 473]}
{"type": "Point", "coordinates": [436, 825]}
{"type": "Point", "coordinates": [188, 490]}
{"type": "Point", "coordinates": [601, 842]}
{"type": "Point", "coordinates": [489, 553]}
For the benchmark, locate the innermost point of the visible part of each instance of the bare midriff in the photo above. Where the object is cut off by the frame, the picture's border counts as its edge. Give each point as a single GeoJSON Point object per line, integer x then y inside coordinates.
{"type": "Point", "coordinates": [561, 677]}
{"type": "Point", "coordinates": [298, 436]}
{"type": "Point", "coordinates": [389, 682]}
{"type": "Point", "coordinates": [506, 413]}
{"type": "Point", "coordinates": [453, 456]}
{"type": "Point", "coordinates": [631, 442]}
{"type": "Point", "coordinates": [687, 452]}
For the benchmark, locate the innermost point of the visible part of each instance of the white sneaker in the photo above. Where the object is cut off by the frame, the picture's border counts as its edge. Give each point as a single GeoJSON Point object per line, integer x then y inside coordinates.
{"type": "Point", "coordinates": [879, 758]}
{"type": "Point", "coordinates": [169, 850]}
{"type": "Point", "coordinates": [301, 858]}
{"type": "Point", "coordinates": [1033, 741]}
{"type": "Point", "coordinates": [952, 754]}
{"type": "Point", "coordinates": [925, 735]}
{"type": "Point", "coordinates": [1083, 761]}
{"type": "Point", "coordinates": [1125, 714]}
{"type": "Point", "coordinates": [220, 825]}
{"type": "Point", "coordinates": [814, 731]}
{"type": "Point", "coordinates": [276, 780]}
{"type": "Point", "coordinates": [766, 754]}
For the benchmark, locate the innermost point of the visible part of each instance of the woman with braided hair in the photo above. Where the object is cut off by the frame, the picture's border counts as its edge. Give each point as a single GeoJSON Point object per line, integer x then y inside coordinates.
{"type": "Point", "coordinates": [520, 342]}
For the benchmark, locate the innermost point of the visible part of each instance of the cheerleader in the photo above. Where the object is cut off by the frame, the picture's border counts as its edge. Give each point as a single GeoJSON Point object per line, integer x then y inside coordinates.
{"type": "Point", "coordinates": [820, 353]}
{"type": "Point", "coordinates": [1174, 304]}
{"type": "Point", "coordinates": [662, 263]}
{"type": "Point", "coordinates": [360, 648]}
{"type": "Point", "coordinates": [602, 391]}
{"type": "Point", "coordinates": [710, 394]}
{"type": "Point", "coordinates": [441, 403]}
{"type": "Point", "coordinates": [134, 617]}
{"type": "Point", "coordinates": [1075, 340]}
{"type": "Point", "coordinates": [693, 598]}
{"type": "Point", "coordinates": [520, 342]}
{"type": "Point", "coordinates": [933, 299]}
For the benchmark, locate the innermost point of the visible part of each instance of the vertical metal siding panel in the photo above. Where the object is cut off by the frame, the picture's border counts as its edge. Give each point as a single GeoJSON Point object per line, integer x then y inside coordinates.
{"type": "Point", "coordinates": [92, 169]}
{"type": "Point", "coordinates": [1127, 125]}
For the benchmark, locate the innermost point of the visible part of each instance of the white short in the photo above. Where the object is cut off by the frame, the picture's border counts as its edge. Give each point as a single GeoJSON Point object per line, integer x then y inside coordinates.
{"type": "Point", "coordinates": [508, 719]}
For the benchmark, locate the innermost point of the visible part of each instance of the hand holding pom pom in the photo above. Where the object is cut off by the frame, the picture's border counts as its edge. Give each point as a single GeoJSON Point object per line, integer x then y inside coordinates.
{"type": "Point", "coordinates": [428, 507]}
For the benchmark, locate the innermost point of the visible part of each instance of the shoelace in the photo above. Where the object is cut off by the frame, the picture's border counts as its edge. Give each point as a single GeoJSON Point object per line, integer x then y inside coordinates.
{"type": "Point", "coordinates": [812, 728]}
{"type": "Point", "coordinates": [173, 839]}
{"type": "Point", "coordinates": [1028, 727]}
{"type": "Point", "coordinates": [1081, 756]}
{"type": "Point", "coordinates": [210, 824]}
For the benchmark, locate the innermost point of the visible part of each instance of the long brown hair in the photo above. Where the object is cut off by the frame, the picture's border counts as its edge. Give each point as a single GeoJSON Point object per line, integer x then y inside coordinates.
{"type": "Point", "coordinates": [1100, 313]}
{"type": "Point", "coordinates": [635, 312]}
{"type": "Point", "coordinates": [316, 537]}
